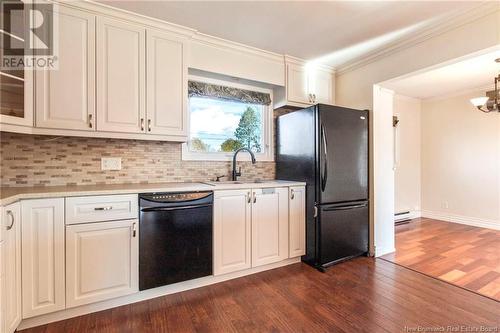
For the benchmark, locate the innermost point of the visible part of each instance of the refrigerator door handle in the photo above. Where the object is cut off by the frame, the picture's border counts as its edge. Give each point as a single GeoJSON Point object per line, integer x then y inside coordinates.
{"type": "Point", "coordinates": [324, 176]}
{"type": "Point", "coordinates": [345, 207]}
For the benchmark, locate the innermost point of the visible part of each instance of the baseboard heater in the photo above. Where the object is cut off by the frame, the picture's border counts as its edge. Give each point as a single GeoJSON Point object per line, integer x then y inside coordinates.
{"type": "Point", "coordinates": [402, 218]}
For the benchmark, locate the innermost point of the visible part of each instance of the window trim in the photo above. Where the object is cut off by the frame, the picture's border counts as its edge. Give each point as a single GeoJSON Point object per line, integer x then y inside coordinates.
{"type": "Point", "coordinates": [268, 128]}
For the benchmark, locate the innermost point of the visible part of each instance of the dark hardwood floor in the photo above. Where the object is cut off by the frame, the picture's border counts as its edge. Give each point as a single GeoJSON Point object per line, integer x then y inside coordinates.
{"type": "Point", "coordinates": [460, 254]}
{"type": "Point", "coordinates": [361, 295]}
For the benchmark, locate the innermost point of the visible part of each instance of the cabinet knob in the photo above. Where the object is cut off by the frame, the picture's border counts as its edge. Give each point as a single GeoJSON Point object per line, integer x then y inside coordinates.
{"type": "Point", "coordinates": [142, 124]}
{"type": "Point", "coordinates": [12, 220]}
{"type": "Point", "coordinates": [149, 125]}
{"type": "Point", "coordinates": [249, 196]}
{"type": "Point", "coordinates": [134, 229]}
{"type": "Point", "coordinates": [292, 194]}
{"type": "Point", "coordinates": [90, 121]}
{"type": "Point", "coordinates": [254, 198]}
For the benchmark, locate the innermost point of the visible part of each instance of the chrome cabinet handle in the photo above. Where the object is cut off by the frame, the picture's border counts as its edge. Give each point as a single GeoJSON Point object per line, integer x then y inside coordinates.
{"type": "Point", "coordinates": [90, 121]}
{"type": "Point", "coordinates": [315, 212]}
{"type": "Point", "coordinates": [292, 194]}
{"type": "Point", "coordinates": [134, 229]}
{"type": "Point", "coordinates": [9, 213]}
{"type": "Point", "coordinates": [104, 208]}
{"type": "Point", "coordinates": [142, 124]}
{"type": "Point", "coordinates": [149, 125]}
{"type": "Point", "coordinates": [254, 198]}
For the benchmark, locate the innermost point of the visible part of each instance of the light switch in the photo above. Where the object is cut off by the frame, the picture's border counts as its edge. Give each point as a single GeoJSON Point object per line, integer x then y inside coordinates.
{"type": "Point", "coordinates": [111, 163]}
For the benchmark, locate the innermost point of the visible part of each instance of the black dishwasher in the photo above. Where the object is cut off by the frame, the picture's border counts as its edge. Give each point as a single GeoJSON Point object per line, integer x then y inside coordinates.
{"type": "Point", "coordinates": [175, 237]}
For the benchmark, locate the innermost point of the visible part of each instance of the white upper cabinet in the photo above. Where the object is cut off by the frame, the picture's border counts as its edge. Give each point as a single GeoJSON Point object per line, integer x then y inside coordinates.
{"type": "Point", "coordinates": [306, 84]}
{"type": "Point", "coordinates": [297, 84]}
{"type": "Point", "coordinates": [297, 221]}
{"type": "Point", "coordinates": [166, 84]}
{"type": "Point", "coordinates": [121, 77]}
{"type": "Point", "coordinates": [232, 231]}
{"type": "Point", "coordinates": [101, 261]}
{"type": "Point", "coordinates": [16, 86]}
{"type": "Point", "coordinates": [42, 236]}
{"type": "Point", "coordinates": [65, 98]}
{"type": "Point", "coordinates": [321, 86]}
{"type": "Point", "coordinates": [11, 261]}
{"type": "Point", "coordinates": [269, 225]}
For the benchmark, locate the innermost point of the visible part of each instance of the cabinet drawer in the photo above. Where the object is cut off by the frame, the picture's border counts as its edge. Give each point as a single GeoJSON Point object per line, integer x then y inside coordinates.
{"type": "Point", "coordinates": [101, 208]}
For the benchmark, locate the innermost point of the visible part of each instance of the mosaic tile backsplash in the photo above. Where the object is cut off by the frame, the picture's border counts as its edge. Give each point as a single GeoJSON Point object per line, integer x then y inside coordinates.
{"type": "Point", "coordinates": [28, 160]}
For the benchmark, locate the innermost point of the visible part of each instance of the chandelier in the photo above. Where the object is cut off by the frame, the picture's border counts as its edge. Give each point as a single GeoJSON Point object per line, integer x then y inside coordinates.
{"type": "Point", "coordinates": [491, 101]}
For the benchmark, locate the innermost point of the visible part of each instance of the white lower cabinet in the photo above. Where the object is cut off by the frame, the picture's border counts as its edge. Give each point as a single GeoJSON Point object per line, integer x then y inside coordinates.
{"type": "Point", "coordinates": [232, 231]}
{"type": "Point", "coordinates": [11, 261]}
{"type": "Point", "coordinates": [297, 221]}
{"type": "Point", "coordinates": [101, 261]}
{"type": "Point", "coordinates": [269, 226]}
{"type": "Point", "coordinates": [42, 247]}
{"type": "Point", "coordinates": [251, 228]}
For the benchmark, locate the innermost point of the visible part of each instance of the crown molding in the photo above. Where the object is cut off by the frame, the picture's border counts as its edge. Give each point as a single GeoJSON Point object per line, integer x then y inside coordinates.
{"type": "Point", "coordinates": [227, 44]}
{"type": "Point", "coordinates": [444, 24]}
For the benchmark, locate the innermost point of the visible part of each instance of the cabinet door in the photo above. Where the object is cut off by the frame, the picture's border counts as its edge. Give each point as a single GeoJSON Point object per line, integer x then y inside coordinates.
{"type": "Point", "coordinates": [296, 84]}
{"type": "Point", "coordinates": [65, 98]}
{"type": "Point", "coordinates": [232, 231]}
{"type": "Point", "coordinates": [42, 247]}
{"type": "Point", "coordinates": [321, 86]}
{"type": "Point", "coordinates": [269, 226]}
{"type": "Point", "coordinates": [297, 221]}
{"type": "Point", "coordinates": [16, 86]}
{"type": "Point", "coordinates": [120, 76]}
{"type": "Point", "coordinates": [101, 261]}
{"type": "Point", "coordinates": [167, 84]}
{"type": "Point", "coordinates": [12, 266]}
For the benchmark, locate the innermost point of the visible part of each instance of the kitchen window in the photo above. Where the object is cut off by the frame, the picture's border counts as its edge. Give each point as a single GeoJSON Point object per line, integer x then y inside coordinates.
{"type": "Point", "coordinates": [225, 116]}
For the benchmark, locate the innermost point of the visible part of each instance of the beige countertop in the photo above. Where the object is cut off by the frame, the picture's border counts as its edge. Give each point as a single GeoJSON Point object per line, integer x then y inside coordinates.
{"type": "Point", "coordinates": [12, 194]}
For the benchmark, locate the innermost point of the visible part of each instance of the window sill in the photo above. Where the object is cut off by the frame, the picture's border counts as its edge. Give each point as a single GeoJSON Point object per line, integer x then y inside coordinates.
{"type": "Point", "coordinates": [222, 157]}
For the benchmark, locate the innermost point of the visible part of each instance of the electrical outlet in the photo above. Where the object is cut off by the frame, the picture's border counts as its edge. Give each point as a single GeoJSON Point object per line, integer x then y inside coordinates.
{"type": "Point", "coordinates": [111, 163]}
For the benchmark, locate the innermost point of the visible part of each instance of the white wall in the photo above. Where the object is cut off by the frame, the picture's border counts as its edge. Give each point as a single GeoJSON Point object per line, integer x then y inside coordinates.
{"type": "Point", "coordinates": [460, 161]}
{"type": "Point", "coordinates": [355, 89]}
{"type": "Point", "coordinates": [383, 174]}
{"type": "Point", "coordinates": [407, 180]}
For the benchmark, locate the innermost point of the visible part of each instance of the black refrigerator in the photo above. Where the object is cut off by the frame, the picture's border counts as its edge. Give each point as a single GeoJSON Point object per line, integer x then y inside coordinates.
{"type": "Point", "coordinates": [327, 147]}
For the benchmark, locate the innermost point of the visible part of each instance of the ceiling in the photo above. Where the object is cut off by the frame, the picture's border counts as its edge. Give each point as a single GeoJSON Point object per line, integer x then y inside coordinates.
{"type": "Point", "coordinates": [333, 32]}
{"type": "Point", "coordinates": [476, 72]}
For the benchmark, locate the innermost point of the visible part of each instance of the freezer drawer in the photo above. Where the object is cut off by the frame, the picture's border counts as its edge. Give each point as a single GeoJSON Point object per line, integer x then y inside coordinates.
{"type": "Point", "coordinates": [343, 231]}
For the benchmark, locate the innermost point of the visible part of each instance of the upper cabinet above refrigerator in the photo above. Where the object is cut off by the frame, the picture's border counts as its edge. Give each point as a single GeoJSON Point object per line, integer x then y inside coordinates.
{"type": "Point", "coordinates": [306, 84]}
{"type": "Point", "coordinates": [16, 83]}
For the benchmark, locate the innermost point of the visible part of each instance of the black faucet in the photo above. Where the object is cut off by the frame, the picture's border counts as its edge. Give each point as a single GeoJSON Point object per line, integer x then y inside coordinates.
{"type": "Point", "coordinates": [236, 174]}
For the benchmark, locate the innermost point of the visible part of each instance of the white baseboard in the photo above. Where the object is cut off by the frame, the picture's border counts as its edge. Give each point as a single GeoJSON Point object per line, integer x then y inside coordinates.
{"type": "Point", "coordinates": [411, 215]}
{"type": "Point", "coordinates": [145, 295]}
{"type": "Point", "coordinates": [472, 221]}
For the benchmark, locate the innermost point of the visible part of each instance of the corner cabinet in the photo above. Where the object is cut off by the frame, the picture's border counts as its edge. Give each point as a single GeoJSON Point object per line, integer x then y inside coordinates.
{"type": "Point", "coordinates": [121, 76]}
{"type": "Point", "coordinates": [101, 261]}
{"type": "Point", "coordinates": [10, 274]}
{"type": "Point", "coordinates": [42, 247]}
